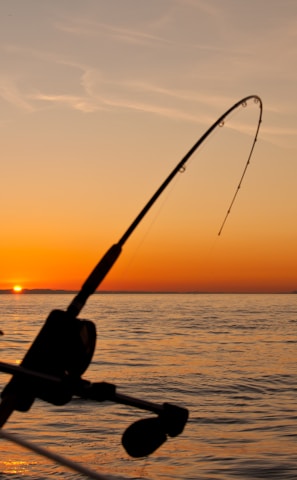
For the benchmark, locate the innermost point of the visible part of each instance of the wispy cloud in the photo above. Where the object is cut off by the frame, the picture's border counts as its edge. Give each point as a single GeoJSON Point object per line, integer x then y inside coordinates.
{"type": "Point", "coordinates": [212, 10]}
{"type": "Point", "coordinates": [89, 28]}
{"type": "Point", "coordinates": [111, 102]}
{"type": "Point", "coordinates": [94, 90]}
{"type": "Point", "coordinates": [132, 36]}
{"type": "Point", "coordinates": [69, 101]}
{"type": "Point", "coordinates": [11, 93]}
{"type": "Point", "coordinates": [164, 88]}
{"type": "Point", "coordinates": [99, 93]}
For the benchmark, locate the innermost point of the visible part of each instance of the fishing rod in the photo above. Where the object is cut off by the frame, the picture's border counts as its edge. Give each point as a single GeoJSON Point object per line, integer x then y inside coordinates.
{"type": "Point", "coordinates": [64, 347]}
{"type": "Point", "coordinates": [108, 260]}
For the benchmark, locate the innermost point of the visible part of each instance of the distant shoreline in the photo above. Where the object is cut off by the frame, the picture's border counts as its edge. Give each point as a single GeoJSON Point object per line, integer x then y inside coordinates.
{"type": "Point", "coordinates": [48, 291]}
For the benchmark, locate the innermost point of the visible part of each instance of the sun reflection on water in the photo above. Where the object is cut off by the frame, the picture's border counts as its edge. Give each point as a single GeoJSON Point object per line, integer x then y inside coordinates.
{"type": "Point", "coordinates": [15, 466]}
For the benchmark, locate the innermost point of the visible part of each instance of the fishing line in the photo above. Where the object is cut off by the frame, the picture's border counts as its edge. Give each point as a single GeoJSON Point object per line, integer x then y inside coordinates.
{"type": "Point", "coordinates": [185, 169]}
{"type": "Point", "coordinates": [181, 165]}
{"type": "Point", "coordinates": [241, 129]}
{"type": "Point", "coordinates": [226, 123]}
{"type": "Point", "coordinates": [243, 174]}
{"type": "Point", "coordinates": [152, 223]}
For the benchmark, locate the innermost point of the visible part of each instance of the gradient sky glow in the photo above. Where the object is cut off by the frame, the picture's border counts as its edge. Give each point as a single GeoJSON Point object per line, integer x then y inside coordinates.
{"type": "Point", "coordinates": [100, 100]}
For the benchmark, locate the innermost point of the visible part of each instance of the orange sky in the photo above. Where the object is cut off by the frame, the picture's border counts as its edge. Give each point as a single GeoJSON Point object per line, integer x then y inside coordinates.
{"type": "Point", "coordinates": [100, 100]}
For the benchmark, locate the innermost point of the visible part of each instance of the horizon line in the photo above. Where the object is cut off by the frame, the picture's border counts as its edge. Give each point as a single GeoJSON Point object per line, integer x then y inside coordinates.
{"type": "Point", "coordinates": [44, 291]}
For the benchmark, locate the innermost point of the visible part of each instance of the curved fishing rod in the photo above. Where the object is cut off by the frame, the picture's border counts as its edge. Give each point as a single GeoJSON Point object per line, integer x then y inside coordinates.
{"type": "Point", "coordinates": [65, 343]}
{"type": "Point", "coordinates": [105, 264]}
{"type": "Point", "coordinates": [64, 347]}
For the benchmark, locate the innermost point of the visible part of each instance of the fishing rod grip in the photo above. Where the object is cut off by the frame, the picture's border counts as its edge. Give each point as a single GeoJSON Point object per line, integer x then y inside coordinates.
{"type": "Point", "coordinates": [94, 279]}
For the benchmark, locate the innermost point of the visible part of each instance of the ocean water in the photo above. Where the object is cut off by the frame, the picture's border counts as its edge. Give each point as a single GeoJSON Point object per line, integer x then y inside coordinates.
{"type": "Point", "coordinates": [230, 359]}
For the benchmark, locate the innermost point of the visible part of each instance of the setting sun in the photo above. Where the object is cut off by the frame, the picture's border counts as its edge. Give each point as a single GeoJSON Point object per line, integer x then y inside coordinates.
{"type": "Point", "coordinates": [17, 289]}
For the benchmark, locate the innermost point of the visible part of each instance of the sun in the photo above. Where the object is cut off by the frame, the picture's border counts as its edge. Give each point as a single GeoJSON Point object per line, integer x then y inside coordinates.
{"type": "Point", "coordinates": [17, 289]}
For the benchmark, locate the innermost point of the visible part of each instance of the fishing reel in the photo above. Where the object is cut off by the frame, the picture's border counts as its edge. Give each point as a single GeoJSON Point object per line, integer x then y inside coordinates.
{"type": "Point", "coordinates": [146, 435]}
{"type": "Point", "coordinates": [61, 353]}
{"type": "Point", "coordinates": [51, 370]}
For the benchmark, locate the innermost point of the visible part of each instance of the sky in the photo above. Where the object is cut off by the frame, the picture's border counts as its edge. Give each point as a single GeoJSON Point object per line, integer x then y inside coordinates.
{"type": "Point", "coordinates": [99, 100]}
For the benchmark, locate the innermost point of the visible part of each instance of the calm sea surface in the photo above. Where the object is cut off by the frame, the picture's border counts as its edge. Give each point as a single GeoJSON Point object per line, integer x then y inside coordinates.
{"type": "Point", "coordinates": [230, 359]}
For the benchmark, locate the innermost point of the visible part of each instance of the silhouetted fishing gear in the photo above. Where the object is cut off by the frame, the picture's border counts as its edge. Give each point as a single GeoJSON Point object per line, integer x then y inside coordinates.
{"type": "Point", "coordinates": [62, 351]}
